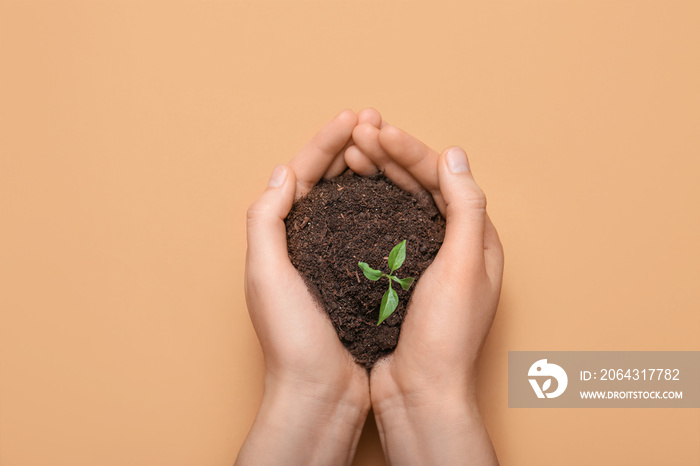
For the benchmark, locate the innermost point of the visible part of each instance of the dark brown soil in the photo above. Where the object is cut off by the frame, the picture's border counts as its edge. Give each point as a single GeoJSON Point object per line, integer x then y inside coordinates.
{"type": "Point", "coordinates": [348, 219]}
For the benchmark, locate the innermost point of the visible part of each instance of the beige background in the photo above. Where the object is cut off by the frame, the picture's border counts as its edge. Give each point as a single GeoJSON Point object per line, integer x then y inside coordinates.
{"type": "Point", "coordinates": [134, 135]}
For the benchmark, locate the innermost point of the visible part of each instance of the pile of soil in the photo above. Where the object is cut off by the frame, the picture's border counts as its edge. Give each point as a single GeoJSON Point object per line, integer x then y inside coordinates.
{"type": "Point", "coordinates": [348, 219]}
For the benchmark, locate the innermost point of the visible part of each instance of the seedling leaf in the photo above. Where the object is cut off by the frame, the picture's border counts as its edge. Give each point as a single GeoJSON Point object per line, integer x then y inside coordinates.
{"type": "Point", "coordinates": [389, 302]}
{"type": "Point", "coordinates": [404, 282]}
{"type": "Point", "coordinates": [397, 256]}
{"type": "Point", "coordinates": [369, 272]}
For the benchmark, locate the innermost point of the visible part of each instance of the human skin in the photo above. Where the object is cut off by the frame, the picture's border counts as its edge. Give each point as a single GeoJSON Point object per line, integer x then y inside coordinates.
{"type": "Point", "coordinates": [424, 395]}
{"type": "Point", "coordinates": [315, 398]}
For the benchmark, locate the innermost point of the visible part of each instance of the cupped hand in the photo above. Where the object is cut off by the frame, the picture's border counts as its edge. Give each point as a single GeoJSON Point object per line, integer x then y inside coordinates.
{"type": "Point", "coordinates": [316, 398]}
{"type": "Point", "coordinates": [425, 391]}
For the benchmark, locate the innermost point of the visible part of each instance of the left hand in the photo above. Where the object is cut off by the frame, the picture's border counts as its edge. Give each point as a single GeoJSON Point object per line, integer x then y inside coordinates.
{"type": "Point", "coordinates": [316, 397]}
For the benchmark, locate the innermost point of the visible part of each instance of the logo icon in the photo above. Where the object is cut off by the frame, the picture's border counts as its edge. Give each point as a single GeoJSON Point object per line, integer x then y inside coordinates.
{"type": "Point", "coordinates": [544, 370]}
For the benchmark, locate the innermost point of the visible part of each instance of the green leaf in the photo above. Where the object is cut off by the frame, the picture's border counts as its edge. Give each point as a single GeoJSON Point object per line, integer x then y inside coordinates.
{"type": "Point", "coordinates": [389, 302]}
{"type": "Point", "coordinates": [369, 272]}
{"type": "Point", "coordinates": [397, 256]}
{"type": "Point", "coordinates": [404, 282]}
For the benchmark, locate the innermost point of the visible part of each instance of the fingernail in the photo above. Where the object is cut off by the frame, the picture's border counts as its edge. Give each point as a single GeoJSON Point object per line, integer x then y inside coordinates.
{"type": "Point", "coordinates": [457, 160]}
{"type": "Point", "coordinates": [279, 174]}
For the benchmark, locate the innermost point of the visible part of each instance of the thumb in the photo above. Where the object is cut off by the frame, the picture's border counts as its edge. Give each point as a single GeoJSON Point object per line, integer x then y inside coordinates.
{"type": "Point", "coordinates": [267, 235]}
{"type": "Point", "coordinates": [465, 213]}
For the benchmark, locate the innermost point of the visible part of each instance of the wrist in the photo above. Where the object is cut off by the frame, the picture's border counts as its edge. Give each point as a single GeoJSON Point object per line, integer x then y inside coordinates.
{"type": "Point", "coordinates": [348, 403]}
{"type": "Point", "coordinates": [302, 422]}
{"type": "Point", "coordinates": [414, 408]}
{"type": "Point", "coordinates": [293, 428]}
{"type": "Point", "coordinates": [330, 392]}
{"type": "Point", "coordinates": [396, 391]}
{"type": "Point", "coordinates": [433, 428]}
{"type": "Point", "coordinates": [320, 422]}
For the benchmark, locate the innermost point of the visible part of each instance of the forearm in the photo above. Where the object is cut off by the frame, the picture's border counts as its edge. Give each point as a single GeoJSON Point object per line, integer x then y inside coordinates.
{"type": "Point", "coordinates": [442, 430]}
{"type": "Point", "coordinates": [294, 427]}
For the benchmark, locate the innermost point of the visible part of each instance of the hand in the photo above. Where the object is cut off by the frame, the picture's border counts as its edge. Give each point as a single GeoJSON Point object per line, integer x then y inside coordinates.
{"type": "Point", "coordinates": [424, 393]}
{"type": "Point", "coordinates": [316, 398]}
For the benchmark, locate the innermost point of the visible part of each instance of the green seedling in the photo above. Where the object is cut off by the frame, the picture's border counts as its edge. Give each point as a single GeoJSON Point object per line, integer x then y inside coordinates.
{"type": "Point", "coordinates": [390, 300]}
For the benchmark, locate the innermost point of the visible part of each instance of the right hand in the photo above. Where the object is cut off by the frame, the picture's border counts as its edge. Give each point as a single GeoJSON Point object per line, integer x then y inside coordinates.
{"type": "Point", "coordinates": [424, 393]}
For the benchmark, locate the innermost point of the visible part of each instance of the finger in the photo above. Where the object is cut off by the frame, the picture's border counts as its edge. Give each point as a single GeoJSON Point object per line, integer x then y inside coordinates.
{"type": "Point", "coordinates": [338, 166]}
{"type": "Point", "coordinates": [366, 138]}
{"type": "Point", "coordinates": [361, 162]}
{"type": "Point", "coordinates": [493, 252]}
{"type": "Point", "coordinates": [465, 214]}
{"type": "Point", "coordinates": [417, 159]}
{"type": "Point", "coordinates": [314, 159]}
{"type": "Point", "coordinates": [371, 116]}
{"type": "Point", "coordinates": [355, 159]}
{"type": "Point", "coordinates": [267, 236]}
{"type": "Point", "coordinates": [358, 162]}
